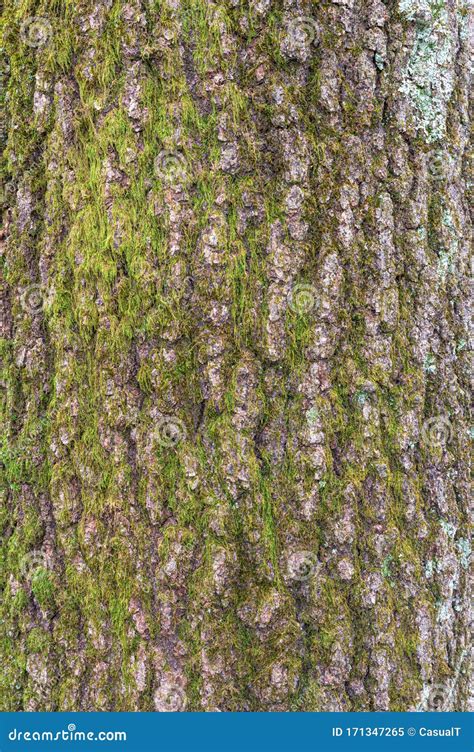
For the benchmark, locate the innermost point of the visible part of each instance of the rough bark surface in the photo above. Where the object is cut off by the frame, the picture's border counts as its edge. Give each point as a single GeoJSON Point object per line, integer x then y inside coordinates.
{"type": "Point", "coordinates": [235, 347]}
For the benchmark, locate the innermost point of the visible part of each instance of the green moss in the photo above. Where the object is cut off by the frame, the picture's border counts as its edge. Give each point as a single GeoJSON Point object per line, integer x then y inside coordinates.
{"type": "Point", "coordinates": [38, 641]}
{"type": "Point", "coordinates": [43, 588]}
{"type": "Point", "coordinates": [111, 292]}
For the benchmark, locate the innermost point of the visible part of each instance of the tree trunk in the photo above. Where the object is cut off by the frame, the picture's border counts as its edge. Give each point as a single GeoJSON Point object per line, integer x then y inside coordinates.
{"type": "Point", "coordinates": [235, 346]}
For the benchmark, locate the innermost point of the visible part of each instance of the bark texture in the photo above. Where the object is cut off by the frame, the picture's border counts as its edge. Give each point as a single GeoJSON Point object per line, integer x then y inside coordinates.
{"type": "Point", "coordinates": [235, 347]}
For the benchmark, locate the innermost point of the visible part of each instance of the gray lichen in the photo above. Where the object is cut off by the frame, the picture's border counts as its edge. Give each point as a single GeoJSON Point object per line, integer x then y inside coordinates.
{"type": "Point", "coordinates": [428, 80]}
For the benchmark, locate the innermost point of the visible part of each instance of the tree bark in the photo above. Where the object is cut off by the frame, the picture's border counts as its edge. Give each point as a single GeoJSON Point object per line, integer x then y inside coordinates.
{"type": "Point", "coordinates": [235, 341]}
